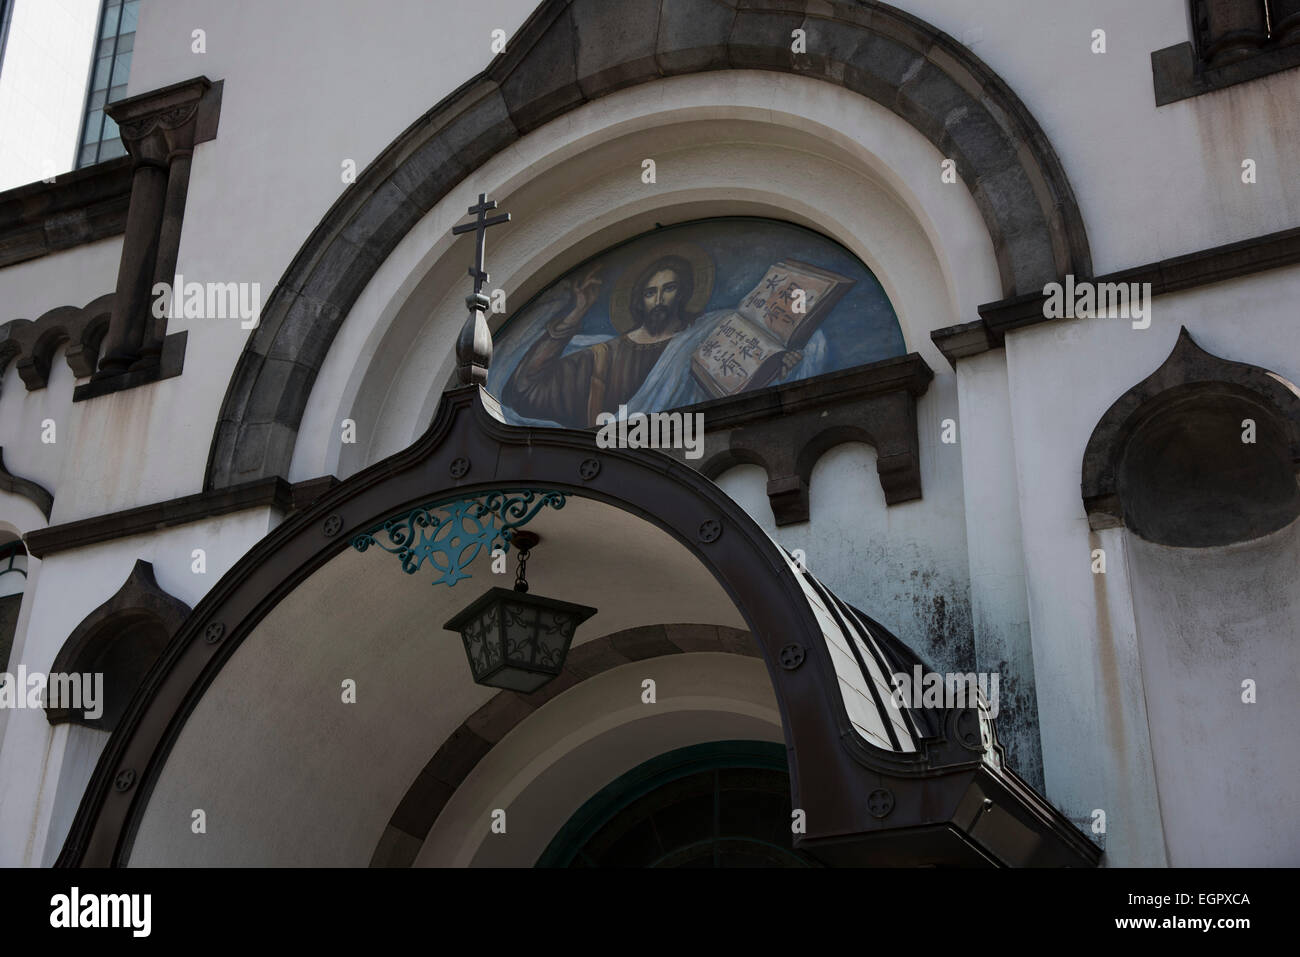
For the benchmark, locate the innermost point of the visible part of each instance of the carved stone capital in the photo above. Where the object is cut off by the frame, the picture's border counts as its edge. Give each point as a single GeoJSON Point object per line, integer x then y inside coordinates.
{"type": "Point", "coordinates": [156, 124]}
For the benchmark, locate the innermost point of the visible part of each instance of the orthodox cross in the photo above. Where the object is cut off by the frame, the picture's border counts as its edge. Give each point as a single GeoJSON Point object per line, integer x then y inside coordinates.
{"type": "Point", "coordinates": [480, 226]}
{"type": "Point", "coordinates": [474, 345]}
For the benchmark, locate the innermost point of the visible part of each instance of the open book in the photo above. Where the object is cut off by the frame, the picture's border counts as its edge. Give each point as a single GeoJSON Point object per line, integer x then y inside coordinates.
{"type": "Point", "coordinates": [745, 348]}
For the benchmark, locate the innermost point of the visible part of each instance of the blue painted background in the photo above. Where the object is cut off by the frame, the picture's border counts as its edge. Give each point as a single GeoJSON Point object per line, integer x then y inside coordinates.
{"type": "Point", "coordinates": [862, 327]}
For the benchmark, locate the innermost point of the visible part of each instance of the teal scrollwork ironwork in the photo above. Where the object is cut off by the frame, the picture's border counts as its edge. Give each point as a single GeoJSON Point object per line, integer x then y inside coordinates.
{"type": "Point", "coordinates": [450, 534]}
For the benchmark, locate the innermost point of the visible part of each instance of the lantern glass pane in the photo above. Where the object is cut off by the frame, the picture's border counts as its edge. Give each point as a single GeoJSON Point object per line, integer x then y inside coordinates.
{"type": "Point", "coordinates": [554, 633]}
{"type": "Point", "coordinates": [521, 631]}
{"type": "Point", "coordinates": [482, 643]}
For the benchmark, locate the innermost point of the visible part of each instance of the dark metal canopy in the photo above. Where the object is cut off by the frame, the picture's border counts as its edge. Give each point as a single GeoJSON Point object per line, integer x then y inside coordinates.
{"type": "Point", "coordinates": [879, 783]}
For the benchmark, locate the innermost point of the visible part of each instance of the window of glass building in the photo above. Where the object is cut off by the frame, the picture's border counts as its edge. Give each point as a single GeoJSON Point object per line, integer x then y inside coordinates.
{"type": "Point", "coordinates": [116, 41]}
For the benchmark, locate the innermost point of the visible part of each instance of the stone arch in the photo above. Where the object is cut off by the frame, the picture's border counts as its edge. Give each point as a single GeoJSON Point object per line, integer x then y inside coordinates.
{"type": "Point", "coordinates": [121, 639]}
{"type": "Point", "coordinates": [570, 52]}
{"type": "Point", "coordinates": [1170, 459]}
{"type": "Point", "coordinates": [457, 756]}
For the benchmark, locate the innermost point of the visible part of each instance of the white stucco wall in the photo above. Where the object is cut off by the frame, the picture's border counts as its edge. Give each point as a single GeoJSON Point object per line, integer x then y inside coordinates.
{"type": "Point", "coordinates": [1209, 621]}
{"type": "Point", "coordinates": [1092, 696]}
{"type": "Point", "coordinates": [39, 763]}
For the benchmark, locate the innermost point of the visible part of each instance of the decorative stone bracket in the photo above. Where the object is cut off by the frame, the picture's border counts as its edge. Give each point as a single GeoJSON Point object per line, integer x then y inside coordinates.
{"type": "Point", "coordinates": [785, 430]}
{"type": "Point", "coordinates": [1235, 41]}
{"type": "Point", "coordinates": [160, 130]}
{"type": "Point", "coordinates": [33, 342]}
{"type": "Point", "coordinates": [34, 492]}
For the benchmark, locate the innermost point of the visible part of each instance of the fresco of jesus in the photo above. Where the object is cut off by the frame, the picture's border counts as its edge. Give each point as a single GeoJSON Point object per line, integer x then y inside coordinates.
{"type": "Point", "coordinates": [639, 368]}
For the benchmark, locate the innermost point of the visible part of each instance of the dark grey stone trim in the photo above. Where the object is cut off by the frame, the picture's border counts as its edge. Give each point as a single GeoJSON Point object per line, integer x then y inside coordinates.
{"type": "Point", "coordinates": [273, 492]}
{"type": "Point", "coordinates": [160, 130]}
{"type": "Point", "coordinates": [37, 494]}
{"type": "Point", "coordinates": [480, 732]}
{"type": "Point", "coordinates": [965, 339]}
{"type": "Point", "coordinates": [573, 51]}
{"type": "Point", "coordinates": [1201, 268]}
{"type": "Point", "coordinates": [33, 342]}
{"type": "Point", "coordinates": [1192, 385]}
{"type": "Point", "coordinates": [1179, 74]}
{"type": "Point", "coordinates": [139, 599]}
{"type": "Point", "coordinates": [171, 363]}
{"type": "Point", "coordinates": [786, 429]}
{"type": "Point", "coordinates": [78, 207]}
{"type": "Point", "coordinates": [306, 492]}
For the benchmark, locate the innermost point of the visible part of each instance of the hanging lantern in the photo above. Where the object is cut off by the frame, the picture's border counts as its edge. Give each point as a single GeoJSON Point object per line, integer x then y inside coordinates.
{"type": "Point", "coordinates": [515, 640]}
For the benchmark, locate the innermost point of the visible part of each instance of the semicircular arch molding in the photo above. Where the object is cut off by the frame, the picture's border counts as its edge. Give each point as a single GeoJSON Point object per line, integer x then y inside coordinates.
{"type": "Point", "coordinates": [571, 52]}
{"type": "Point", "coordinates": [449, 766]}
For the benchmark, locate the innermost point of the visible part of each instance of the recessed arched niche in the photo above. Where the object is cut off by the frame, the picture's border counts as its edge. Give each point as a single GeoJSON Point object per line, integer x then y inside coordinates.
{"type": "Point", "coordinates": [704, 310]}
{"type": "Point", "coordinates": [1201, 453]}
{"type": "Point", "coordinates": [120, 641]}
{"type": "Point", "coordinates": [780, 338]}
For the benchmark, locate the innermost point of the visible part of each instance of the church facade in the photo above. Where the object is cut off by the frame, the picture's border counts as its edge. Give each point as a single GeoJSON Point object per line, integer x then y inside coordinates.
{"type": "Point", "coordinates": [660, 433]}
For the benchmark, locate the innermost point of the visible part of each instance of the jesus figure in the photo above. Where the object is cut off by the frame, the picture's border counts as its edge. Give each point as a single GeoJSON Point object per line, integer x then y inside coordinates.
{"type": "Point", "coordinates": [569, 379]}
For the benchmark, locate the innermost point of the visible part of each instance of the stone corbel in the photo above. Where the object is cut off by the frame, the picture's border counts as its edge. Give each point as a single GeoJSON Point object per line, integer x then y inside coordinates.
{"type": "Point", "coordinates": [785, 430]}
{"type": "Point", "coordinates": [160, 130]}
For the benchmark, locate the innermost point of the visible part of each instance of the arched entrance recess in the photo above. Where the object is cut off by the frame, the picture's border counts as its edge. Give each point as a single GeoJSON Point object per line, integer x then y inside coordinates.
{"type": "Point", "coordinates": [888, 785]}
{"type": "Point", "coordinates": [571, 52]}
{"type": "Point", "coordinates": [651, 816]}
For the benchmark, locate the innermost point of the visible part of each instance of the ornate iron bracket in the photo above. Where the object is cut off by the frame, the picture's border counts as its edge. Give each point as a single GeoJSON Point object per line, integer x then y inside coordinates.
{"type": "Point", "coordinates": [450, 533]}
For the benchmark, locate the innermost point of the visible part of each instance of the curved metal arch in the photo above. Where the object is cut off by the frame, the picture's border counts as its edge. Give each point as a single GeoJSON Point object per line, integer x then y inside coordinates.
{"type": "Point", "coordinates": [743, 559]}
{"type": "Point", "coordinates": [570, 52]}
{"type": "Point", "coordinates": [469, 450]}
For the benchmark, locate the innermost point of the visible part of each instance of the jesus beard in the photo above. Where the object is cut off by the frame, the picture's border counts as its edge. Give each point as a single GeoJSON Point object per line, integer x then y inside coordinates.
{"type": "Point", "coordinates": [660, 318]}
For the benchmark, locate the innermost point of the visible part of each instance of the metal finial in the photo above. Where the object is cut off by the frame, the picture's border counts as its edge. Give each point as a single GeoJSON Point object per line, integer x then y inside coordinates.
{"type": "Point", "coordinates": [474, 345]}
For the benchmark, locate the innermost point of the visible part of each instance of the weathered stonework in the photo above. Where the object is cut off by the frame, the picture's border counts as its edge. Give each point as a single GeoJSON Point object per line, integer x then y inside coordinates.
{"type": "Point", "coordinates": [34, 492]}
{"type": "Point", "coordinates": [786, 429]}
{"type": "Point", "coordinates": [1201, 268]}
{"type": "Point", "coordinates": [159, 130]}
{"type": "Point", "coordinates": [570, 52]}
{"type": "Point", "coordinates": [33, 342]}
{"type": "Point", "coordinates": [83, 206]}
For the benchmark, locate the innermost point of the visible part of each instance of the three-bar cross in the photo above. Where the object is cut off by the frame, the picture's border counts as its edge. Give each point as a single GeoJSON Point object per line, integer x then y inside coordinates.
{"type": "Point", "coordinates": [480, 226]}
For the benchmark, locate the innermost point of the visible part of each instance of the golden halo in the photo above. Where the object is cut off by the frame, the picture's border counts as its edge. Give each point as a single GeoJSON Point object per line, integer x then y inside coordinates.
{"type": "Point", "coordinates": [701, 263]}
